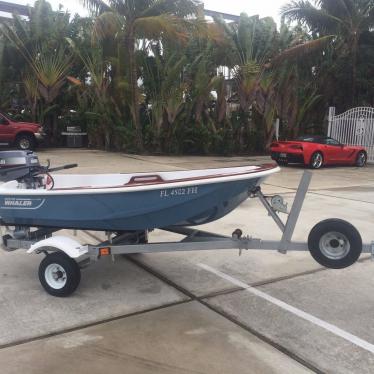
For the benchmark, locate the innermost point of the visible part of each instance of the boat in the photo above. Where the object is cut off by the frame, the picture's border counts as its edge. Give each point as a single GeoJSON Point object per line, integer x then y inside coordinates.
{"type": "Point", "coordinates": [36, 203]}
{"type": "Point", "coordinates": [37, 197]}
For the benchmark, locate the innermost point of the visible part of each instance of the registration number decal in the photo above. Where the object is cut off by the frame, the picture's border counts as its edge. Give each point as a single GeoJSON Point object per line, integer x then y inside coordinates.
{"type": "Point", "coordinates": [179, 191]}
{"type": "Point", "coordinates": [283, 155]}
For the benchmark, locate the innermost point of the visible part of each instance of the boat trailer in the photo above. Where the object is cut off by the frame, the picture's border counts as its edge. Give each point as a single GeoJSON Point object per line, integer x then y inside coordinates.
{"type": "Point", "coordinates": [333, 243]}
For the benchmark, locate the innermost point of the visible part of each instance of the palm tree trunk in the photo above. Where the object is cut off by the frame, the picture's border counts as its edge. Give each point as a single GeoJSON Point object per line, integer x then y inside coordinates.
{"type": "Point", "coordinates": [293, 125]}
{"type": "Point", "coordinates": [354, 68]}
{"type": "Point", "coordinates": [269, 137]}
{"type": "Point", "coordinates": [159, 123]}
{"type": "Point", "coordinates": [135, 110]}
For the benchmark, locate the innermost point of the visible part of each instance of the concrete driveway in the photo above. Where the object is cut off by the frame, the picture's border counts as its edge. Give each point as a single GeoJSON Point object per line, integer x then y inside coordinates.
{"type": "Point", "coordinates": [203, 311]}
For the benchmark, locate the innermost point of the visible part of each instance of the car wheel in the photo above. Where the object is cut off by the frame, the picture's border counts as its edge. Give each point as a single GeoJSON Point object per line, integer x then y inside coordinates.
{"type": "Point", "coordinates": [361, 159]}
{"type": "Point", "coordinates": [316, 161]}
{"type": "Point", "coordinates": [25, 142]}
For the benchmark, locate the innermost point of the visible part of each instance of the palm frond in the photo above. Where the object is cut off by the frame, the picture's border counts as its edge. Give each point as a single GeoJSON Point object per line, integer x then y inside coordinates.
{"type": "Point", "coordinates": [317, 19]}
{"type": "Point", "coordinates": [166, 25]}
{"type": "Point", "coordinates": [180, 8]}
{"type": "Point", "coordinates": [107, 24]}
{"type": "Point", "coordinates": [31, 86]}
{"type": "Point", "coordinates": [96, 6]}
{"type": "Point", "coordinates": [310, 101]}
{"type": "Point", "coordinates": [50, 71]}
{"type": "Point", "coordinates": [96, 66]}
{"type": "Point", "coordinates": [18, 41]}
{"type": "Point", "coordinates": [301, 51]}
{"type": "Point", "coordinates": [340, 8]}
{"type": "Point", "coordinates": [19, 27]}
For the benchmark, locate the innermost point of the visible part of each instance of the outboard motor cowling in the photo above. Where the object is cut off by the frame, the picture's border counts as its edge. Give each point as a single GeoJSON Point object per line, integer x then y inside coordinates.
{"type": "Point", "coordinates": [16, 165]}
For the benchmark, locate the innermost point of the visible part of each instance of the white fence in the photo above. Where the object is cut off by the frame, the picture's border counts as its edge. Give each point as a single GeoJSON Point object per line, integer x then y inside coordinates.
{"type": "Point", "coordinates": [354, 127]}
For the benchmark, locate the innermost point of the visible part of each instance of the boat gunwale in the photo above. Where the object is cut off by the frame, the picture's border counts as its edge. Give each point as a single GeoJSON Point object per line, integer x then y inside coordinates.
{"type": "Point", "coordinates": [260, 172]}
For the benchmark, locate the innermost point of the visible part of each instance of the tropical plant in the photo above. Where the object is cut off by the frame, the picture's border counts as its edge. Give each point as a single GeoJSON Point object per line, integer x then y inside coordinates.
{"type": "Point", "coordinates": [47, 59]}
{"type": "Point", "coordinates": [165, 88]}
{"type": "Point", "coordinates": [266, 70]}
{"type": "Point", "coordinates": [131, 20]}
{"type": "Point", "coordinates": [153, 75]}
{"type": "Point", "coordinates": [348, 20]}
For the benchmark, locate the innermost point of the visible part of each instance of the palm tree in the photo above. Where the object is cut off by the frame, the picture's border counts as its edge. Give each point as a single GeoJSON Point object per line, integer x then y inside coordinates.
{"type": "Point", "coordinates": [30, 83]}
{"type": "Point", "coordinates": [248, 56]}
{"type": "Point", "coordinates": [139, 19]}
{"type": "Point", "coordinates": [164, 87]}
{"type": "Point", "coordinates": [267, 71]}
{"type": "Point", "coordinates": [347, 19]}
{"type": "Point", "coordinates": [98, 89]}
{"type": "Point", "coordinates": [48, 62]}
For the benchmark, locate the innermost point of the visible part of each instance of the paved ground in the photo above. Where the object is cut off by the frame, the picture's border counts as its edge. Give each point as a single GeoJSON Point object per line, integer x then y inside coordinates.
{"type": "Point", "coordinates": [201, 312]}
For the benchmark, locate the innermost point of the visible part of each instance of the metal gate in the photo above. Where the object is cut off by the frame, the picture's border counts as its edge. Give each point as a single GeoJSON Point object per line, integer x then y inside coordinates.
{"type": "Point", "coordinates": [354, 127]}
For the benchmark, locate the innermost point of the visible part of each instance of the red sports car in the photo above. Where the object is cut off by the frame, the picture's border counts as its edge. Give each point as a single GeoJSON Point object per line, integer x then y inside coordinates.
{"type": "Point", "coordinates": [316, 151]}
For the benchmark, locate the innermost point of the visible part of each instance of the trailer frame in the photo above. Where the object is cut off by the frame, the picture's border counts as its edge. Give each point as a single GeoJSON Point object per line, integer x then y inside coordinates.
{"type": "Point", "coordinates": [40, 240]}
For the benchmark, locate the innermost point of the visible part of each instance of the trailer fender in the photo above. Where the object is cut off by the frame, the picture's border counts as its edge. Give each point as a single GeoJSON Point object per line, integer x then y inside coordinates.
{"type": "Point", "coordinates": [62, 243]}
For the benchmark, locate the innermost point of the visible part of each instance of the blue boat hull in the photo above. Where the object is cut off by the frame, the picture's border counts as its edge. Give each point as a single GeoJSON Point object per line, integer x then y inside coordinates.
{"type": "Point", "coordinates": [118, 211]}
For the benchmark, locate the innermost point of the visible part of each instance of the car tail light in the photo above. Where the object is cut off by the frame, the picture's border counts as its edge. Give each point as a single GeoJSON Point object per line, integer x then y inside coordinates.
{"type": "Point", "coordinates": [296, 146]}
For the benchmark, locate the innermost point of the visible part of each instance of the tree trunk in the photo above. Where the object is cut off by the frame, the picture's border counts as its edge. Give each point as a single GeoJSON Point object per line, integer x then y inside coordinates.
{"type": "Point", "coordinates": [55, 129]}
{"type": "Point", "coordinates": [293, 121]}
{"type": "Point", "coordinates": [107, 138]}
{"type": "Point", "coordinates": [354, 68]}
{"type": "Point", "coordinates": [269, 138]}
{"type": "Point", "coordinates": [159, 123]}
{"type": "Point", "coordinates": [135, 109]}
{"type": "Point", "coordinates": [221, 111]}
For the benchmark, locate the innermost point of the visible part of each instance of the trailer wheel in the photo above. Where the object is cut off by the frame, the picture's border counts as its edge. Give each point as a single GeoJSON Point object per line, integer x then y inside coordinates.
{"type": "Point", "coordinates": [335, 243]}
{"type": "Point", "coordinates": [59, 274]}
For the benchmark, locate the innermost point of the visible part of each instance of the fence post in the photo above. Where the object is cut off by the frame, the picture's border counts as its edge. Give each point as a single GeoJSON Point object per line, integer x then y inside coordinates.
{"type": "Point", "coordinates": [276, 127]}
{"type": "Point", "coordinates": [331, 117]}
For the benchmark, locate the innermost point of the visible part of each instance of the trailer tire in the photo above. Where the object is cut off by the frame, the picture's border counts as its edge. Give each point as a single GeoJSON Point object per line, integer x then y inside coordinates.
{"type": "Point", "coordinates": [335, 243]}
{"type": "Point", "coordinates": [59, 274]}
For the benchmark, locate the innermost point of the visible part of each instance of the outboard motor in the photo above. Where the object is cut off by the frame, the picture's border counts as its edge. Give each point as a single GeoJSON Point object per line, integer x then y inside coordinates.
{"type": "Point", "coordinates": [25, 168]}
{"type": "Point", "coordinates": [16, 164]}
{"type": "Point", "coordinates": [22, 166]}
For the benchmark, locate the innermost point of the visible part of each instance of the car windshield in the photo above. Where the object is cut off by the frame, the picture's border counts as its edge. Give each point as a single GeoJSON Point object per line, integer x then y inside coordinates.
{"type": "Point", "coordinates": [312, 139]}
{"type": "Point", "coordinates": [319, 139]}
{"type": "Point", "coordinates": [331, 141]}
{"type": "Point", "coordinates": [8, 116]}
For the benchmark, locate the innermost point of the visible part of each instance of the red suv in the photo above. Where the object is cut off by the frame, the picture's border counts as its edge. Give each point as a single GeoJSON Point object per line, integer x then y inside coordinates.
{"type": "Point", "coordinates": [23, 135]}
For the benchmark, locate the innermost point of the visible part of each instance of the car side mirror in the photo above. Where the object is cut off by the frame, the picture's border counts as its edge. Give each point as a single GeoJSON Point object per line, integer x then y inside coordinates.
{"type": "Point", "coordinates": [3, 121]}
